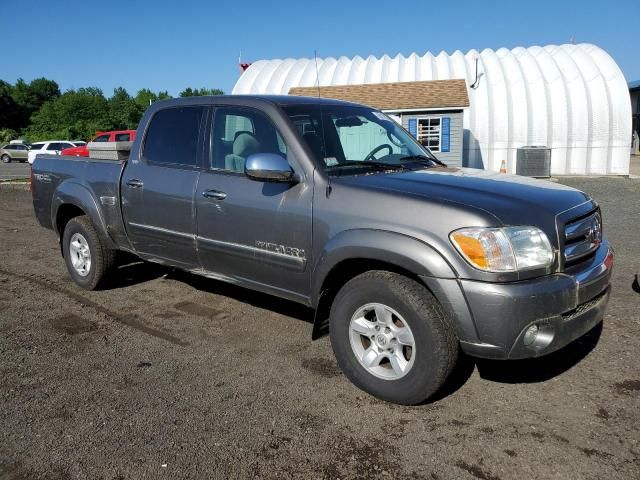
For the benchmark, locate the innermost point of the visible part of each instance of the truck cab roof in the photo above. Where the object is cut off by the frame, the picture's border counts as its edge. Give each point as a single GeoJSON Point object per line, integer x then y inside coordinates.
{"type": "Point", "coordinates": [247, 100]}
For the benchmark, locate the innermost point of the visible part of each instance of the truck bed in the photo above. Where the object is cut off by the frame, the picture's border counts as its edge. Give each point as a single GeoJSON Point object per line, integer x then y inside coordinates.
{"type": "Point", "coordinates": [97, 179]}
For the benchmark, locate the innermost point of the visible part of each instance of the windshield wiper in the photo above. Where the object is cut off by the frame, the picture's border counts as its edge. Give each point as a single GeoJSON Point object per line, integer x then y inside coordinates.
{"type": "Point", "coordinates": [377, 166]}
{"type": "Point", "coordinates": [422, 159]}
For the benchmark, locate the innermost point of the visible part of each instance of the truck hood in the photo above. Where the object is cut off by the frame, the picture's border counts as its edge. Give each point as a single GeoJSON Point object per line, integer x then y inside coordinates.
{"type": "Point", "coordinates": [511, 199]}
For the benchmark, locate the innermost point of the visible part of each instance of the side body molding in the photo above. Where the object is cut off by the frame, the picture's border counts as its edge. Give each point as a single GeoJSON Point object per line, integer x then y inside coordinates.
{"type": "Point", "coordinates": [73, 193]}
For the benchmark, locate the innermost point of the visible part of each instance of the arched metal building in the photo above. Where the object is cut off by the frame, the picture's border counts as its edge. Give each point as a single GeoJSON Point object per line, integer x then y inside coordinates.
{"type": "Point", "coordinates": [571, 98]}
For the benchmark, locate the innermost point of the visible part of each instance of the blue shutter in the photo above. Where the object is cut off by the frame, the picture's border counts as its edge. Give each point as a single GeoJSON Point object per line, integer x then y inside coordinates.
{"type": "Point", "coordinates": [445, 134]}
{"type": "Point", "coordinates": [413, 127]}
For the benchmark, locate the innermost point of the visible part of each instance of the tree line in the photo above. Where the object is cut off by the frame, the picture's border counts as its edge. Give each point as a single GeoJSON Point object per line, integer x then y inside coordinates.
{"type": "Point", "coordinates": [37, 110]}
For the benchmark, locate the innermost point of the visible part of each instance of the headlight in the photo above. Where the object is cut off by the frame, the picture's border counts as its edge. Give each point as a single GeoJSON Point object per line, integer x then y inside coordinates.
{"type": "Point", "coordinates": [505, 249]}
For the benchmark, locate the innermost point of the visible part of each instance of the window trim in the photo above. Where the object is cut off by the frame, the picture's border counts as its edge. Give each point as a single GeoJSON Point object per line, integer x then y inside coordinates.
{"type": "Point", "coordinates": [196, 165]}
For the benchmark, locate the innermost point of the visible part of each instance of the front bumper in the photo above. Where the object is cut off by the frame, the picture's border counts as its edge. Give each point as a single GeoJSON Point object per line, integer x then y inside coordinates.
{"type": "Point", "coordinates": [563, 307]}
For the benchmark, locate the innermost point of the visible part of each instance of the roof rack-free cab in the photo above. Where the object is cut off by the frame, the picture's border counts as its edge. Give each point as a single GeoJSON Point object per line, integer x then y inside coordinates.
{"type": "Point", "coordinates": [405, 261]}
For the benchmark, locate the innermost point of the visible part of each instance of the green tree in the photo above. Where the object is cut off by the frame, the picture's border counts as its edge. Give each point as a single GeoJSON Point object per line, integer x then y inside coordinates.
{"type": "Point", "coordinates": [30, 97]}
{"type": "Point", "coordinates": [9, 110]}
{"type": "Point", "coordinates": [199, 92]}
{"type": "Point", "coordinates": [124, 111]}
{"type": "Point", "coordinates": [6, 135]}
{"type": "Point", "coordinates": [146, 97]}
{"type": "Point", "coordinates": [76, 114]}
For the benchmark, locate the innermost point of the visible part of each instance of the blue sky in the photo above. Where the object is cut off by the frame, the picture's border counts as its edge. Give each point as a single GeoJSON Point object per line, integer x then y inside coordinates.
{"type": "Point", "coordinates": [169, 45]}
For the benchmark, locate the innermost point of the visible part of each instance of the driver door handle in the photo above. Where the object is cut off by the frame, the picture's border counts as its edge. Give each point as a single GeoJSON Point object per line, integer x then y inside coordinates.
{"type": "Point", "coordinates": [135, 183]}
{"type": "Point", "coordinates": [215, 194]}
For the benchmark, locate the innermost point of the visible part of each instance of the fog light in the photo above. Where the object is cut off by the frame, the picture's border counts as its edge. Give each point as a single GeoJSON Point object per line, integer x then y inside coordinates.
{"type": "Point", "coordinates": [530, 335]}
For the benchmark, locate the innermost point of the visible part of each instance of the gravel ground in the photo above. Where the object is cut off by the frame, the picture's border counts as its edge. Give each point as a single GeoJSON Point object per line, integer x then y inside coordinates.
{"type": "Point", "coordinates": [167, 375]}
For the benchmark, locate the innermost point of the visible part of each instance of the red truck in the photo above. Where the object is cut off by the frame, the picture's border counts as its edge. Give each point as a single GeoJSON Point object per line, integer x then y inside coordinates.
{"type": "Point", "coordinates": [114, 136]}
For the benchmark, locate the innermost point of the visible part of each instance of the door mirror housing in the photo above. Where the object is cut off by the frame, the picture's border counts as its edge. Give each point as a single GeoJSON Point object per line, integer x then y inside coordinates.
{"type": "Point", "coordinates": [268, 167]}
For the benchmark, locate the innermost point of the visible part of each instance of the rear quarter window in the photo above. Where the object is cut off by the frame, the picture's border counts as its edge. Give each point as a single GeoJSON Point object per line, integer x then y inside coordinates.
{"type": "Point", "coordinates": [123, 137]}
{"type": "Point", "coordinates": [172, 137]}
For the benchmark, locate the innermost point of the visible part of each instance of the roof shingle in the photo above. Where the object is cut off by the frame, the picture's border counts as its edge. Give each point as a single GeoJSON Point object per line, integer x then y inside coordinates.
{"type": "Point", "coordinates": [396, 95]}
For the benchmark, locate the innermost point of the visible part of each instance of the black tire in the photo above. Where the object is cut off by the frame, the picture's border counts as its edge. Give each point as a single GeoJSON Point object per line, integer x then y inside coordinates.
{"type": "Point", "coordinates": [436, 344]}
{"type": "Point", "coordinates": [6, 158]}
{"type": "Point", "coordinates": [102, 258]}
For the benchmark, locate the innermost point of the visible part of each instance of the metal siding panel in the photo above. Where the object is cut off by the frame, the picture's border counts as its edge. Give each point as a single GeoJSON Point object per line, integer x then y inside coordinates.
{"type": "Point", "coordinates": [573, 98]}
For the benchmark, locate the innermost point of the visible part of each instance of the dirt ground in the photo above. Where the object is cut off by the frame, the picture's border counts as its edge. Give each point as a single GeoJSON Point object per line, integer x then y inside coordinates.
{"type": "Point", "coordinates": [168, 375]}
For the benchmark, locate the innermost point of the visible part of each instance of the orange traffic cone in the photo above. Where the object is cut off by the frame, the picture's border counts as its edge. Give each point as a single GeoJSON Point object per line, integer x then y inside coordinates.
{"type": "Point", "coordinates": [503, 167]}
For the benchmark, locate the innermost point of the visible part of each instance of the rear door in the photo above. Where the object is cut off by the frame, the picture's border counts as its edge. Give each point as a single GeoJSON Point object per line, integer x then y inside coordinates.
{"type": "Point", "coordinates": [158, 189]}
{"type": "Point", "coordinates": [21, 152]}
{"type": "Point", "coordinates": [256, 232]}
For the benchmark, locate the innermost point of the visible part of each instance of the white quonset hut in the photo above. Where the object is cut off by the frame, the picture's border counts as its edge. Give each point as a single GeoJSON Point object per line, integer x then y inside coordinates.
{"type": "Point", "coordinates": [572, 99]}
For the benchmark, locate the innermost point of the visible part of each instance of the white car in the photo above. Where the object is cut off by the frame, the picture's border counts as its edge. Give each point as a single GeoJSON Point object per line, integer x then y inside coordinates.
{"type": "Point", "coordinates": [51, 147]}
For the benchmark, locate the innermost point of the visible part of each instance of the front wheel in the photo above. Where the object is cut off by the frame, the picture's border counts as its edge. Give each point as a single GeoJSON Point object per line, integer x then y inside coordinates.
{"type": "Point", "coordinates": [86, 257]}
{"type": "Point", "coordinates": [391, 337]}
{"type": "Point", "coordinates": [6, 158]}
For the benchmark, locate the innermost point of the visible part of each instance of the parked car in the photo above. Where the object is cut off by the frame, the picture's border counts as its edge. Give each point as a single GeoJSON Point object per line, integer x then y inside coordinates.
{"type": "Point", "coordinates": [51, 147]}
{"type": "Point", "coordinates": [337, 207]}
{"type": "Point", "coordinates": [114, 136]}
{"type": "Point", "coordinates": [14, 152]}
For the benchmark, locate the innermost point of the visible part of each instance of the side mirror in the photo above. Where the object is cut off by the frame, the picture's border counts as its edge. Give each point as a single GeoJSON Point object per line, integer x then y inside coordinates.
{"type": "Point", "coordinates": [268, 167]}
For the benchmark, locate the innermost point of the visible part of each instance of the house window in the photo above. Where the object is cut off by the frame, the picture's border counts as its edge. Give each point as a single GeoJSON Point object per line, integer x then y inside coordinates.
{"type": "Point", "coordinates": [429, 133]}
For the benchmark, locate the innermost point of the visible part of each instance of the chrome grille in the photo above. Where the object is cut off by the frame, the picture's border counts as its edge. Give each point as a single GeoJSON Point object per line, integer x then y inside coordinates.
{"type": "Point", "coordinates": [582, 237]}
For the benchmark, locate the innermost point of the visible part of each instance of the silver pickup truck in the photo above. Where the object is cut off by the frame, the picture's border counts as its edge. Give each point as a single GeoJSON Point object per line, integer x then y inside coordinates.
{"type": "Point", "coordinates": [333, 205]}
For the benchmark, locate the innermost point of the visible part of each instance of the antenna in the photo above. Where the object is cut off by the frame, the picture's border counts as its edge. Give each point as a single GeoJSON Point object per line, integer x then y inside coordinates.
{"type": "Point", "coordinates": [315, 57]}
{"type": "Point", "coordinates": [474, 85]}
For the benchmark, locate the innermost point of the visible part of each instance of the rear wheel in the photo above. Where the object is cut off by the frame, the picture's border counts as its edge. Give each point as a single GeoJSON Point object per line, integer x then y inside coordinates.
{"type": "Point", "coordinates": [86, 257]}
{"type": "Point", "coordinates": [391, 337]}
{"type": "Point", "coordinates": [6, 158]}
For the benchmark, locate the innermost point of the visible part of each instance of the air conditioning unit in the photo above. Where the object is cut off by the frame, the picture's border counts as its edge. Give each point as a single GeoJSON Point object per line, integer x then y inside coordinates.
{"type": "Point", "coordinates": [533, 162]}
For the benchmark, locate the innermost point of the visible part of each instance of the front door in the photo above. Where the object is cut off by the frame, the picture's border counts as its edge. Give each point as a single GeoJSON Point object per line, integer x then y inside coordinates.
{"type": "Point", "coordinates": [258, 233]}
{"type": "Point", "coordinates": [158, 189]}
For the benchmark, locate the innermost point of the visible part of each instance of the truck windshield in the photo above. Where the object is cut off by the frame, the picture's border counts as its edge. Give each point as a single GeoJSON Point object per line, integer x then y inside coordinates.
{"type": "Point", "coordinates": [350, 140]}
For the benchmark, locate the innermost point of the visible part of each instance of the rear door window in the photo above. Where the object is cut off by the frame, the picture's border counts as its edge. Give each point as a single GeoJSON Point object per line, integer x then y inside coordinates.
{"type": "Point", "coordinates": [172, 137]}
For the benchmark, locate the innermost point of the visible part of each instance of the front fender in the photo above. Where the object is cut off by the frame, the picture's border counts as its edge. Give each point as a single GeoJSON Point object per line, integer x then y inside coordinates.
{"type": "Point", "coordinates": [389, 247]}
{"type": "Point", "coordinates": [70, 192]}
